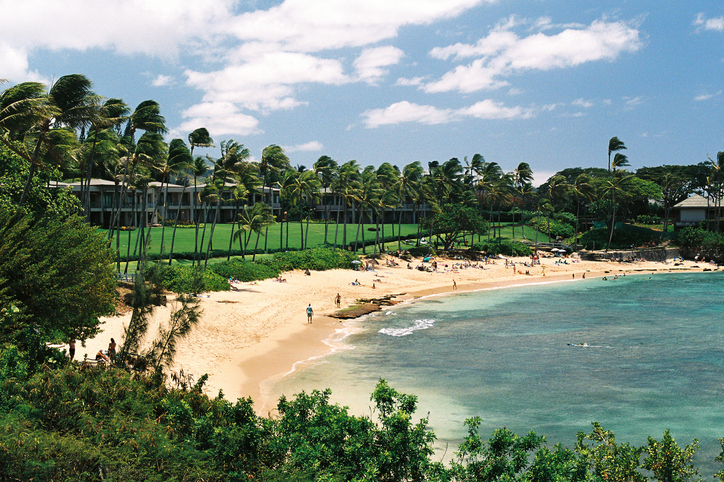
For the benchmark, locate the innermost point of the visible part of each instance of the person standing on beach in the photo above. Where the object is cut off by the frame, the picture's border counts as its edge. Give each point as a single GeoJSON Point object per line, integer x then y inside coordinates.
{"type": "Point", "coordinates": [310, 313]}
{"type": "Point", "coordinates": [338, 300]}
{"type": "Point", "coordinates": [455, 285]}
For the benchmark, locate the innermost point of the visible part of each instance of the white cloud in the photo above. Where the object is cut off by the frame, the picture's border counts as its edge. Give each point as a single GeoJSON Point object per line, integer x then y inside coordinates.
{"type": "Point", "coordinates": [162, 81]}
{"type": "Point", "coordinates": [415, 81]}
{"type": "Point", "coordinates": [632, 102]}
{"type": "Point", "coordinates": [715, 24]}
{"type": "Point", "coordinates": [503, 53]}
{"type": "Point", "coordinates": [267, 82]}
{"type": "Point", "coordinates": [488, 109]}
{"type": "Point", "coordinates": [706, 96]}
{"type": "Point", "coordinates": [407, 112]}
{"type": "Point", "coordinates": [14, 63]}
{"type": "Point", "coordinates": [220, 118]}
{"type": "Point", "coordinates": [312, 146]}
{"type": "Point", "coordinates": [371, 62]}
{"type": "Point", "coordinates": [582, 103]}
{"type": "Point", "coordinates": [404, 111]}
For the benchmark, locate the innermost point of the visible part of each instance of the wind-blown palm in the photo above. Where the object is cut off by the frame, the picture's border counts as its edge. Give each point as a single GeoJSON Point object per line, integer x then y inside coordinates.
{"type": "Point", "coordinates": [305, 184]}
{"type": "Point", "coordinates": [344, 185]}
{"type": "Point", "coordinates": [253, 219]}
{"type": "Point", "coordinates": [616, 188]}
{"type": "Point", "coordinates": [522, 176]}
{"type": "Point", "coordinates": [407, 185]}
{"type": "Point", "coordinates": [614, 144]}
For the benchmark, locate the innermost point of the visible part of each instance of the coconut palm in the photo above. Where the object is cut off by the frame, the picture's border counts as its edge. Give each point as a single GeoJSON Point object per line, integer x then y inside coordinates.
{"type": "Point", "coordinates": [147, 117]}
{"type": "Point", "coordinates": [107, 116]}
{"type": "Point", "coordinates": [387, 177]}
{"type": "Point", "coordinates": [407, 186]}
{"type": "Point", "coordinates": [199, 168]}
{"type": "Point", "coordinates": [304, 185]}
{"type": "Point", "coordinates": [178, 161]}
{"type": "Point", "coordinates": [580, 188]}
{"type": "Point", "coordinates": [326, 169]}
{"type": "Point", "coordinates": [615, 187]}
{"type": "Point", "coordinates": [252, 219]}
{"type": "Point", "coordinates": [614, 144]}
{"type": "Point", "coordinates": [522, 177]}
{"type": "Point", "coordinates": [344, 185]}
{"type": "Point", "coordinates": [233, 155]}
{"type": "Point", "coordinates": [28, 114]}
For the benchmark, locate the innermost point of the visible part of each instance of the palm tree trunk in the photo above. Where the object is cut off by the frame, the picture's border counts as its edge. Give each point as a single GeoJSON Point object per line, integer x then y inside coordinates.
{"type": "Point", "coordinates": [301, 220]}
{"type": "Point", "coordinates": [336, 230]}
{"type": "Point", "coordinates": [326, 223]}
{"type": "Point", "coordinates": [216, 218]}
{"type": "Point", "coordinates": [175, 225]}
{"type": "Point", "coordinates": [233, 223]}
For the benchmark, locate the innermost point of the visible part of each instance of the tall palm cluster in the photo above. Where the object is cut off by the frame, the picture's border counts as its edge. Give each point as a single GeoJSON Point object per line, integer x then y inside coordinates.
{"type": "Point", "coordinates": [68, 131]}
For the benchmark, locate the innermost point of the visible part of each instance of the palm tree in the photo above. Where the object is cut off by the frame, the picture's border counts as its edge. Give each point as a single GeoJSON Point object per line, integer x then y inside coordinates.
{"type": "Point", "coordinates": [326, 169]}
{"type": "Point", "coordinates": [408, 184]}
{"type": "Point", "coordinates": [253, 219]}
{"type": "Point", "coordinates": [233, 155]}
{"type": "Point", "coordinates": [365, 196]}
{"type": "Point", "coordinates": [614, 144]}
{"type": "Point", "coordinates": [580, 188]}
{"type": "Point", "coordinates": [247, 181]}
{"type": "Point", "coordinates": [344, 185]}
{"type": "Point", "coordinates": [28, 114]}
{"type": "Point", "coordinates": [306, 184]}
{"type": "Point", "coordinates": [387, 177]}
{"type": "Point", "coordinates": [557, 189]}
{"type": "Point", "coordinates": [199, 168]}
{"type": "Point", "coordinates": [179, 160]}
{"type": "Point", "coordinates": [147, 117]}
{"type": "Point", "coordinates": [616, 185]}
{"type": "Point", "coordinates": [522, 177]}
{"type": "Point", "coordinates": [109, 115]}
{"type": "Point", "coordinates": [273, 161]}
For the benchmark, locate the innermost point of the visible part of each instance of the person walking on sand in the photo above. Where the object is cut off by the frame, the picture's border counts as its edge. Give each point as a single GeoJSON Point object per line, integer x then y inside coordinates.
{"type": "Point", "coordinates": [455, 285]}
{"type": "Point", "coordinates": [310, 313]}
{"type": "Point", "coordinates": [338, 300]}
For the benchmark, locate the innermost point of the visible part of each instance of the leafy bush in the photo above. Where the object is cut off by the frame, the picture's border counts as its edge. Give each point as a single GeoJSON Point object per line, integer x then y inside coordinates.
{"type": "Point", "coordinates": [245, 270]}
{"type": "Point", "coordinates": [648, 219]}
{"type": "Point", "coordinates": [507, 248]}
{"type": "Point", "coordinates": [697, 237]}
{"type": "Point", "coordinates": [557, 228]}
{"type": "Point", "coordinates": [318, 259]}
{"type": "Point", "coordinates": [187, 279]}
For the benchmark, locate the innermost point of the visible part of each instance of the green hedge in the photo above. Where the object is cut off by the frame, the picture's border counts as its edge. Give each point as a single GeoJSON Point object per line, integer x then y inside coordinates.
{"type": "Point", "coordinates": [507, 248]}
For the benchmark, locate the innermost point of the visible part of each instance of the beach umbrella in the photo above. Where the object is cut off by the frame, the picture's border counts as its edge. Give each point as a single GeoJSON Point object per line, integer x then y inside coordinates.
{"type": "Point", "coordinates": [356, 261]}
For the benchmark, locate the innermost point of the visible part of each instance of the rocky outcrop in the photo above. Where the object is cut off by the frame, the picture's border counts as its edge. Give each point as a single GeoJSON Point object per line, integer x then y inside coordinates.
{"type": "Point", "coordinates": [652, 254]}
{"type": "Point", "coordinates": [365, 306]}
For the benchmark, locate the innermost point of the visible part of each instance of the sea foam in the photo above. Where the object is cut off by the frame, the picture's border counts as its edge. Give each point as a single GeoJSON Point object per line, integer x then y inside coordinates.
{"type": "Point", "coordinates": [423, 324]}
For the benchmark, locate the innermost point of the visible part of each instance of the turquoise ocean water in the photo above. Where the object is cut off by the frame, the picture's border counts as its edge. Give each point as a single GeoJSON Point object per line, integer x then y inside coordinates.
{"type": "Point", "coordinates": [654, 360]}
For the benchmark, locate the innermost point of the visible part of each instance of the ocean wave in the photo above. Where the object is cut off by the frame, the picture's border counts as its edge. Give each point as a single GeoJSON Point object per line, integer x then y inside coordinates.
{"type": "Point", "coordinates": [417, 325]}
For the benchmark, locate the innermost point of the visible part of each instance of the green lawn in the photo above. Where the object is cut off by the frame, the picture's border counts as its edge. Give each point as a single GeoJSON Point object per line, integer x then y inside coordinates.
{"type": "Point", "coordinates": [185, 237]}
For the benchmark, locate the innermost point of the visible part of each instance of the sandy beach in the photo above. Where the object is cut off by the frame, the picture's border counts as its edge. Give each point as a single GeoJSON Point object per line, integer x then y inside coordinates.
{"type": "Point", "coordinates": [251, 337]}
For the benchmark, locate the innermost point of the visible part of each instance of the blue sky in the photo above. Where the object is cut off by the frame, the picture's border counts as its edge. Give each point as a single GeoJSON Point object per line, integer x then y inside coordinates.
{"type": "Point", "coordinates": [545, 82]}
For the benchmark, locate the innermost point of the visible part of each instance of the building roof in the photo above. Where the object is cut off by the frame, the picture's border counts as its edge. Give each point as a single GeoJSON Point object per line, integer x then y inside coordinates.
{"type": "Point", "coordinates": [694, 201]}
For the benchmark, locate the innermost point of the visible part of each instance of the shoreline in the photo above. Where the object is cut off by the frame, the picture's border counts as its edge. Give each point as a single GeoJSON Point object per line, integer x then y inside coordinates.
{"type": "Point", "coordinates": [252, 337]}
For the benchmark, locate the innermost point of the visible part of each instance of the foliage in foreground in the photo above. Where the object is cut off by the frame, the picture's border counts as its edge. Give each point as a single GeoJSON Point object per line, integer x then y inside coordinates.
{"type": "Point", "coordinates": [56, 277]}
{"type": "Point", "coordinates": [73, 423]}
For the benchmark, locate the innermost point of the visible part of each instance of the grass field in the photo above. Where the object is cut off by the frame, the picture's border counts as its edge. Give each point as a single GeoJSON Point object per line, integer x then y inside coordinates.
{"type": "Point", "coordinates": [186, 236]}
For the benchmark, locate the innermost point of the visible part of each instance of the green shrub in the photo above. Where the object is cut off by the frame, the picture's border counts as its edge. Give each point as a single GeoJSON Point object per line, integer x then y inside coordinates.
{"type": "Point", "coordinates": [187, 279]}
{"type": "Point", "coordinates": [507, 248]}
{"type": "Point", "coordinates": [245, 270]}
{"type": "Point", "coordinates": [318, 259]}
{"type": "Point", "coordinates": [557, 228]}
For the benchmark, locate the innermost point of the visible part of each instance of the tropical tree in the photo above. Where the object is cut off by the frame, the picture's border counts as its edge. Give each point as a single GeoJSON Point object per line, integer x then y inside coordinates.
{"type": "Point", "coordinates": [326, 169]}
{"type": "Point", "coordinates": [408, 186]}
{"type": "Point", "coordinates": [615, 187]}
{"type": "Point", "coordinates": [581, 188]}
{"type": "Point", "coordinates": [147, 117]}
{"type": "Point", "coordinates": [522, 177]}
{"type": "Point", "coordinates": [305, 185]}
{"type": "Point", "coordinates": [345, 185]}
{"type": "Point", "coordinates": [253, 219]}
{"type": "Point", "coordinates": [28, 114]}
{"type": "Point", "coordinates": [273, 161]}
{"type": "Point", "coordinates": [179, 161]}
{"type": "Point", "coordinates": [233, 155]}
{"type": "Point", "coordinates": [199, 168]}
{"type": "Point", "coordinates": [387, 178]}
{"type": "Point", "coordinates": [614, 144]}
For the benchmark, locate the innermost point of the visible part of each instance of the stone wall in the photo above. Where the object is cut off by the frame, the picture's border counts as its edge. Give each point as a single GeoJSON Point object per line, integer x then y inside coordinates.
{"type": "Point", "coordinates": [661, 254]}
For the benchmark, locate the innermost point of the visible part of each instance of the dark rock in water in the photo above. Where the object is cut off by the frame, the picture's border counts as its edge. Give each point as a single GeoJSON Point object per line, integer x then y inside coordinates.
{"type": "Point", "coordinates": [365, 306]}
